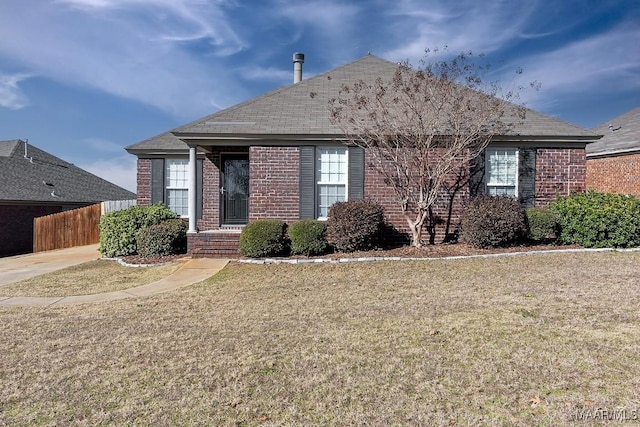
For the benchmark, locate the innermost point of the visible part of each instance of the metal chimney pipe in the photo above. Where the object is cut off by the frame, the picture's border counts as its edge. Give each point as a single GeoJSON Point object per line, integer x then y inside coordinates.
{"type": "Point", "coordinates": [298, 60]}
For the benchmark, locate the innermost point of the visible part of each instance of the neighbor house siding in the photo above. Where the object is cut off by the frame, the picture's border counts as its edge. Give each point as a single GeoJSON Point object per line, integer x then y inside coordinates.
{"type": "Point", "coordinates": [273, 183]}
{"type": "Point", "coordinates": [559, 172]}
{"type": "Point", "coordinates": [16, 227]}
{"type": "Point", "coordinates": [614, 174]}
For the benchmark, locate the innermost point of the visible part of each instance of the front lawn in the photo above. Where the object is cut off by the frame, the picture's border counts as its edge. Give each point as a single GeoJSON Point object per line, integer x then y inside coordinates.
{"type": "Point", "coordinates": [529, 340]}
{"type": "Point", "coordinates": [92, 277]}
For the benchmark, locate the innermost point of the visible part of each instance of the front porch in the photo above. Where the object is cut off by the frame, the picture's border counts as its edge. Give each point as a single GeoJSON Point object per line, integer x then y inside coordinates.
{"type": "Point", "coordinates": [214, 243]}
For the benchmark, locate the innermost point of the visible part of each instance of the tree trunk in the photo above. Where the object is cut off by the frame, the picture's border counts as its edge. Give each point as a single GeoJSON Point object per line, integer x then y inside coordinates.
{"type": "Point", "coordinates": [416, 234]}
{"type": "Point", "coordinates": [416, 228]}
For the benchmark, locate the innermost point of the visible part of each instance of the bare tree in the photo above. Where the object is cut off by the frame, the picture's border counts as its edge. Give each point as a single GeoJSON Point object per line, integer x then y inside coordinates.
{"type": "Point", "coordinates": [423, 125]}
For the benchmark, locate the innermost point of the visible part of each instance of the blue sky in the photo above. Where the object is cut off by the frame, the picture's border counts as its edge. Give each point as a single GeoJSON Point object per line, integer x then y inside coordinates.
{"type": "Point", "coordinates": [82, 79]}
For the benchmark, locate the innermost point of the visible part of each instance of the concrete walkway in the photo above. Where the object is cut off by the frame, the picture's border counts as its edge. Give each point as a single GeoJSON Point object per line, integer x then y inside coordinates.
{"type": "Point", "coordinates": [22, 267]}
{"type": "Point", "coordinates": [16, 268]}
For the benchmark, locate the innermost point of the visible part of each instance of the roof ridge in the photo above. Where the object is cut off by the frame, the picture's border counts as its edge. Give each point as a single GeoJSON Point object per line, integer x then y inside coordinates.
{"type": "Point", "coordinates": [277, 91]}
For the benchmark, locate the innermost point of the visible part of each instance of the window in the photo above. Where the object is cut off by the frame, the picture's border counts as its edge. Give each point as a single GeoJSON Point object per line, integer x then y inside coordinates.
{"type": "Point", "coordinates": [177, 185]}
{"type": "Point", "coordinates": [502, 172]}
{"type": "Point", "coordinates": [170, 184]}
{"type": "Point", "coordinates": [331, 178]}
{"type": "Point", "coordinates": [329, 174]}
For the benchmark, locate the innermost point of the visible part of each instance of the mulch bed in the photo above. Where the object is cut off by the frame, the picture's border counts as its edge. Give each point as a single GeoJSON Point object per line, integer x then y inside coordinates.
{"type": "Point", "coordinates": [439, 251]}
{"type": "Point", "coordinates": [429, 251]}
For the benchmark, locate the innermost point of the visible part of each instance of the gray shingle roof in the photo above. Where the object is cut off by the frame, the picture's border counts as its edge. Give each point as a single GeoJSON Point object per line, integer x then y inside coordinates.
{"type": "Point", "coordinates": [165, 142]}
{"type": "Point", "coordinates": [621, 135]}
{"type": "Point", "coordinates": [36, 177]}
{"type": "Point", "coordinates": [302, 110]}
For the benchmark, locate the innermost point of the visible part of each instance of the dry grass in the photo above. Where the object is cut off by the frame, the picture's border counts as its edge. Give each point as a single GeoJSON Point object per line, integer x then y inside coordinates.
{"type": "Point", "coordinates": [89, 278]}
{"type": "Point", "coordinates": [507, 341]}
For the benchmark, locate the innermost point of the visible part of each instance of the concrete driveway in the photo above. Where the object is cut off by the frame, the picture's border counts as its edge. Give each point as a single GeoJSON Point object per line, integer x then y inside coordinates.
{"type": "Point", "coordinates": [22, 267]}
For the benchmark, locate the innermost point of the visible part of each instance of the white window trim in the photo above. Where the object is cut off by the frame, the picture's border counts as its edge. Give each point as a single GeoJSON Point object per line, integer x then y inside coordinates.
{"type": "Point", "coordinates": [173, 187]}
{"type": "Point", "coordinates": [486, 168]}
{"type": "Point", "coordinates": [318, 183]}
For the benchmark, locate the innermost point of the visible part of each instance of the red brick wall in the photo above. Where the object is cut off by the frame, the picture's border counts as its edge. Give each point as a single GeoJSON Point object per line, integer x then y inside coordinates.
{"type": "Point", "coordinates": [211, 187]}
{"type": "Point", "coordinates": [144, 182]}
{"type": "Point", "coordinates": [617, 174]}
{"type": "Point", "coordinates": [445, 220]}
{"type": "Point", "coordinates": [559, 171]}
{"type": "Point", "coordinates": [16, 227]}
{"type": "Point", "coordinates": [274, 188]}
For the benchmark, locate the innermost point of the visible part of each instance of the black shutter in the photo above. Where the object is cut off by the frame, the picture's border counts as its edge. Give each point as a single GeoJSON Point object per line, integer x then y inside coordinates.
{"type": "Point", "coordinates": [356, 173]}
{"type": "Point", "coordinates": [199, 189]}
{"type": "Point", "coordinates": [476, 175]}
{"type": "Point", "coordinates": [157, 180]}
{"type": "Point", "coordinates": [527, 176]}
{"type": "Point", "coordinates": [307, 182]}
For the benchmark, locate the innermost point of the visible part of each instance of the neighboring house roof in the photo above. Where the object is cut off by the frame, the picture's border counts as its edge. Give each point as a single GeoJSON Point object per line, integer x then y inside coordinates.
{"type": "Point", "coordinates": [44, 178]}
{"type": "Point", "coordinates": [300, 111]}
{"type": "Point", "coordinates": [621, 135]}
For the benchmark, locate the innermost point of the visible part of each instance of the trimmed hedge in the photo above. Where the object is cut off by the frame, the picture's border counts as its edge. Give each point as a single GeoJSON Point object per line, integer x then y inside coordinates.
{"type": "Point", "coordinates": [599, 220]}
{"type": "Point", "coordinates": [491, 221]}
{"type": "Point", "coordinates": [355, 225]}
{"type": "Point", "coordinates": [308, 237]}
{"type": "Point", "coordinates": [543, 224]}
{"type": "Point", "coordinates": [262, 238]}
{"type": "Point", "coordinates": [118, 230]}
{"type": "Point", "coordinates": [168, 237]}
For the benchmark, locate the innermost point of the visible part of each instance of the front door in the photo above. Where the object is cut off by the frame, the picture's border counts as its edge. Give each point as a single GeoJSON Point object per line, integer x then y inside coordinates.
{"type": "Point", "coordinates": [234, 189]}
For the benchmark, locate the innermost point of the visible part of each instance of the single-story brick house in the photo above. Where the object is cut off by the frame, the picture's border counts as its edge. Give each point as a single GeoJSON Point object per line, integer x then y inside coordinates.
{"type": "Point", "coordinates": [613, 163]}
{"type": "Point", "coordinates": [36, 183]}
{"type": "Point", "coordinates": [276, 156]}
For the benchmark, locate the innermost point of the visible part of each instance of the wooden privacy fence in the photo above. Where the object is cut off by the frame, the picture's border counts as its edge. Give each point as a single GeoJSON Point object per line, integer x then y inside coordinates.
{"type": "Point", "coordinates": [77, 227]}
{"type": "Point", "coordinates": [116, 205]}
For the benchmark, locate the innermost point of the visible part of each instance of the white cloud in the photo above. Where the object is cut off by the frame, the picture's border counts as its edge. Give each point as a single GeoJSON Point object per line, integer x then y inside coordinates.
{"type": "Point", "coordinates": [332, 25]}
{"type": "Point", "coordinates": [101, 145]}
{"type": "Point", "coordinates": [266, 73]}
{"type": "Point", "coordinates": [11, 96]}
{"type": "Point", "coordinates": [158, 52]}
{"type": "Point", "coordinates": [463, 25]}
{"type": "Point", "coordinates": [176, 20]}
{"type": "Point", "coordinates": [600, 64]}
{"type": "Point", "coordinates": [119, 170]}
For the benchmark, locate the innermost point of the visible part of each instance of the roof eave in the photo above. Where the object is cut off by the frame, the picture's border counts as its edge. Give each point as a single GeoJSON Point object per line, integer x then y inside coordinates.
{"type": "Point", "coordinates": [203, 140]}
{"type": "Point", "coordinates": [612, 153]}
{"type": "Point", "coordinates": [154, 151]}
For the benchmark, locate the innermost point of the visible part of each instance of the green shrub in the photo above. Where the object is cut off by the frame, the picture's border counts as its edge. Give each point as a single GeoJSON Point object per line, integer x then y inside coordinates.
{"type": "Point", "coordinates": [543, 223]}
{"type": "Point", "coordinates": [308, 237]}
{"type": "Point", "coordinates": [355, 225]}
{"type": "Point", "coordinates": [168, 237]}
{"type": "Point", "coordinates": [118, 230]}
{"type": "Point", "coordinates": [599, 220]}
{"type": "Point", "coordinates": [262, 238]}
{"type": "Point", "coordinates": [491, 221]}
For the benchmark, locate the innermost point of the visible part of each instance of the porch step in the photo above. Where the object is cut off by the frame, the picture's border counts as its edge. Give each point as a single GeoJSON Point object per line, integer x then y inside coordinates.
{"type": "Point", "coordinates": [214, 244]}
